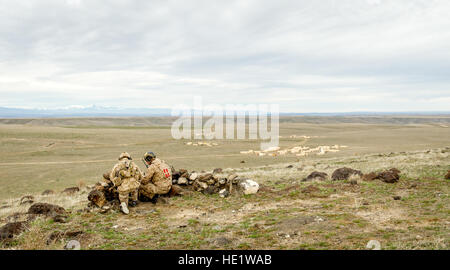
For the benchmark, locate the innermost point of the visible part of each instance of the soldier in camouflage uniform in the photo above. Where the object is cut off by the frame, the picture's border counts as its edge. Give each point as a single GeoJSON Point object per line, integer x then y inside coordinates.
{"type": "Point", "coordinates": [157, 179]}
{"type": "Point", "coordinates": [126, 177]}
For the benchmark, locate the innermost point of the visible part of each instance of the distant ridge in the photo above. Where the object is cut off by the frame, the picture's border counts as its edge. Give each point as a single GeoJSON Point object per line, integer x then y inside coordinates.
{"type": "Point", "coordinates": [98, 111]}
{"type": "Point", "coordinates": [92, 111]}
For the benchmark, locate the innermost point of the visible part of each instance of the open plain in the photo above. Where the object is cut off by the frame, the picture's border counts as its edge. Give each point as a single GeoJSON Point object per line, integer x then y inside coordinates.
{"type": "Point", "coordinates": [287, 213]}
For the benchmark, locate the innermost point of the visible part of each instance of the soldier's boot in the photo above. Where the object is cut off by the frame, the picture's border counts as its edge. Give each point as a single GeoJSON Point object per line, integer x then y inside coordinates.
{"type": "Point", "coordinates": [123, 198]}
{"type": "Point", "coordinates": [124, 208]}
{"type": "Point", "coordinates": [134, 198]}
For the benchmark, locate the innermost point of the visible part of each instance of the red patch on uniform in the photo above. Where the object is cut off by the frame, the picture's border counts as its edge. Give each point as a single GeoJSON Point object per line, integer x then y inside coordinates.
{"type": "Point", "coordinates": [166, 173]}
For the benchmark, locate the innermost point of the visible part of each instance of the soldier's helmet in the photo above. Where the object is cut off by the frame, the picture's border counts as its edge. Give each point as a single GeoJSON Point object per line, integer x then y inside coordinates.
{"type": "Point", "coordinates": [149, 156]}
{"type": "Point", "coordinates": [125, 155]}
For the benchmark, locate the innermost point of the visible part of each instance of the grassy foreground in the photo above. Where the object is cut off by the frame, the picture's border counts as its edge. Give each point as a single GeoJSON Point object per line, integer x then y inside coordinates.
{"type": "Point", "coordinates": [285, 214]}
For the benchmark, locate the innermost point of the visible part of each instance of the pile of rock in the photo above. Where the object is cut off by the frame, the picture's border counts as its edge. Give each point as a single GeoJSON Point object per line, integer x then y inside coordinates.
{"type": "Point", "coordinates": [345, 174]}
{"type": "Point", "coordinates": [214, 182]}
{"type": "Point", "coordinates": [389, 176]}
{"type": "Point", "coordinates": [104, 195]}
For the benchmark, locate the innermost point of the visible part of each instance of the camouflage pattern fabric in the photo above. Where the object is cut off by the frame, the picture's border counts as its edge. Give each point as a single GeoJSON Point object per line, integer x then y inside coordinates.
{"type": "Point", "coordinates": [126, 176]}
{"type": "Point", "coordinates": [157, 180]}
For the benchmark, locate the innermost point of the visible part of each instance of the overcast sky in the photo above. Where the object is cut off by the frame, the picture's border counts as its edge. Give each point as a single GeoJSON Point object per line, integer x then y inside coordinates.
{"type": "Point", "coordinates": [306, 56]}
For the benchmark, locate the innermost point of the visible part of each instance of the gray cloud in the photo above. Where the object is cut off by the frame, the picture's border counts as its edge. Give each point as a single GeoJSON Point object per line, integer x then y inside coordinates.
{"type": "Point", "coordinates": [305, 55]}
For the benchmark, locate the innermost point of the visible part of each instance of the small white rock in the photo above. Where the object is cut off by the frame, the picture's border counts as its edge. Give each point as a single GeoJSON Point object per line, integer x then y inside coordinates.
{"type": "Point", "coordinates": [373, 245]}
{"type": "Point", "coordinates": [249, 186]}
{"type": "Point", "coordinates": [203, 185]}
{"type": "Point", "coordinates": [193, 176]}
{"type": "Point", "coordinates": [73, 245]}
{"type": "Point", "coordinates": [182, 181]}
{"type": "Point", "coordinates": [224, 193]}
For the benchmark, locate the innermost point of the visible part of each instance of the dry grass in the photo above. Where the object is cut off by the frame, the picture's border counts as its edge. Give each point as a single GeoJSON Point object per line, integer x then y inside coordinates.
{"type": "Point", "coordinates": [67, 201]}
{"type": "Point", "coordinates": [333, 215]}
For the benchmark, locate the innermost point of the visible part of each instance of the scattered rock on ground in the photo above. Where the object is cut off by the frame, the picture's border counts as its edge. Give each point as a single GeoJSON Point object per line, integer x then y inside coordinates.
{"type": "Point", "coordinates": [316, 176]}
{"type": "Point", "coordinates": [373, 245]}
{"type": "Point", "coordinates": [60, 219]}
{"type": "Point", "coordinates": [224, 193]}
{"type": "Point", "coordinates": [12, 229]}
{"type": "Point", "coordinates": [27, 199]}
{"type": "Point", "coordinates": [46, 209]}
{"type": "Point", "coordinates": [344, 173]}
{"type": "Point", "coordinates": [248, 186]}
{"type": "Point", "coordinates": [73, 245]}
{"type": "Point", "coordinates": [71, 190]}
{"type": "Point", "coordinates": [217, 170]}
{"type": "Point", "coordinates": [48, 192]}
{"type": "Point", "coordinates": [390, 176]}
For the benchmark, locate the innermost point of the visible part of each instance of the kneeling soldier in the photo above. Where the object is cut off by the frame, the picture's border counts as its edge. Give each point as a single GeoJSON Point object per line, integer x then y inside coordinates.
{"type": "Point", "coordinates": [126, 176]}
{"type": "Point", "coordinates": [157, 179]}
